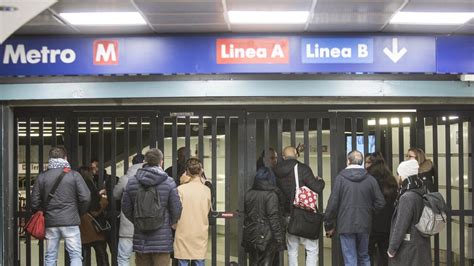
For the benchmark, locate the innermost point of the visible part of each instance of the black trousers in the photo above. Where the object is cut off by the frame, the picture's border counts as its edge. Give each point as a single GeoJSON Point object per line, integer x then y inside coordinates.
{"type": "Point", "coordinates": [263, 258]}
{"type": "Point", "coordinates": [378, 246]}
{"type": "Point", "coordinates": [100, 248]}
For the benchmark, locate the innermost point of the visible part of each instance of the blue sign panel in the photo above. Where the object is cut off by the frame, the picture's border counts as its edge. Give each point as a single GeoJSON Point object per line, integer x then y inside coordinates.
{"type": "Point", "coordinates": [455, 54]}
{"type": "Point", "coordinates": [337, 50]}
{"type": "Point", "coordinates": [226, 54]}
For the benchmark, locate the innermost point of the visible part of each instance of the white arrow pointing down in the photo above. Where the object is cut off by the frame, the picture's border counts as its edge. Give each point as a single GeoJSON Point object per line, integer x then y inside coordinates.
{"type": "Point", "coordinates": [394, 54]}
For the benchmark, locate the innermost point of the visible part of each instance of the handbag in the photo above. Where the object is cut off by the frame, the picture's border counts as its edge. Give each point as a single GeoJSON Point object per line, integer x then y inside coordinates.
{"type": "Point", "coordinates": [36, 224]}
{"type": "Point", "coordinates": [100, 223]}
{"type": "Point", "coordinates": [305, 198]}
{"type": "Point", "coordinates": [305, 223]}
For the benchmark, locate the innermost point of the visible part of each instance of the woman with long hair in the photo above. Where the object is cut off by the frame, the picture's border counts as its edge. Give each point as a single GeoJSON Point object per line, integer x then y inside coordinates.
{"type": "Point", "coordinates": [379, 237]}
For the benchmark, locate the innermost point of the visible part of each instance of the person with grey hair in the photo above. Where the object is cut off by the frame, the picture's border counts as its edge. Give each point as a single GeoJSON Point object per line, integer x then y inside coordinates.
{"type": "Point", "coordinates": [354, 198]}
{"type": "Point", "coordinates": [153, 247]}
{"type": "Point", "coordinates": [407, 246]}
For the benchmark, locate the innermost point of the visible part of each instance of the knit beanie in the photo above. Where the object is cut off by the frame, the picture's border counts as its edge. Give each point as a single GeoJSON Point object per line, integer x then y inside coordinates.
{"type": "Point", "coordinates": [408, 168]}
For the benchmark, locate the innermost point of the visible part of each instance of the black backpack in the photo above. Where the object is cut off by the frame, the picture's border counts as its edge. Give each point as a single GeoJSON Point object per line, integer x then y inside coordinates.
{"type": "Point", "coordinates": [148, 213]}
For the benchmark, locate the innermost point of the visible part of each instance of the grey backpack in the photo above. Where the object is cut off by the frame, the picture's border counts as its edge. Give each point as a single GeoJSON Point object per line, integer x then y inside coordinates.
{"type": "Point", "coordinates": [433, 216]}
{"type": "Point", "coordinates": [148, 213]}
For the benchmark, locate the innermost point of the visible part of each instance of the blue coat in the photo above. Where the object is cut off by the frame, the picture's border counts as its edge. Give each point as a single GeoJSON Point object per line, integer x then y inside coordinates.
{"type": "Point", "coordinates": [161, 240]}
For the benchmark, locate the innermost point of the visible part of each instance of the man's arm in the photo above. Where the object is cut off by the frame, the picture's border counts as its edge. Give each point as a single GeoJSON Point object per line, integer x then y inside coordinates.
{"type": "Point", "coordinates": [316, 184]}
{"type": "Point", "coordinates": [36, 200]}
{"type": "Point", "coordinates": [127, 204]}
{"type": "Point", "coordinates": [332, 207]}
{"type": "Point", "coordinates": [174, 204]}
{"type": "Point", "coordinates": [120, 187]}
{"type": "Point", "coordinates": [83, 193]}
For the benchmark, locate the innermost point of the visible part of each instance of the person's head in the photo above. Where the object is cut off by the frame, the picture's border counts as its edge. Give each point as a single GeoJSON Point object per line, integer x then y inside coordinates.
{"type": "Point", "coordinates": [138, 158]}
{"type": "Point", "coordinates": [355, 157]}
{"type": "Point", "coordinates": [182, 154]}
{"type": "Point", "coordinates": [86, 172]}
{"type": "Point", "coordinates": [194, 167]}
{"type": "Point", "coordinates": [374, 159]}
{"type": "Point", "coordinates": [57, 153]}
{"type": "Point", "coordinates": [406, 169]}
{"type": "Point", "coordinates": [420, 156]}
{"type": "Point", "coordinates": [289, 152]}
{"type": "Point", "coordinates": [268, 158]}
{"type": "Point", "coordinates": [154, 157]}
{"type": "Point", "coordinates": [412, 154]}
{"type": "Point", "coordinates": [94, 166]}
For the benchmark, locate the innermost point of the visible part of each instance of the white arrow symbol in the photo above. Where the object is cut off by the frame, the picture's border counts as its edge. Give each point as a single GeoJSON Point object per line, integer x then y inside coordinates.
{"type": "Point", "coordinates": [395, 55]}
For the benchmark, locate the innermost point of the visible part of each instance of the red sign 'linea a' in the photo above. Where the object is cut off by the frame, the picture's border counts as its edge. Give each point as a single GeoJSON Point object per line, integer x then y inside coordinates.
{"type": "Point", "coordinates": [252, 51]}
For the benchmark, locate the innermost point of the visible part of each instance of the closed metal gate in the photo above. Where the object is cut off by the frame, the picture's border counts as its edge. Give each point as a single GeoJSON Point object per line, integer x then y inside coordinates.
{"type": "Point", "coordinates": [229, 142]}
{"type": "Point", "coordinates": [112, 138]}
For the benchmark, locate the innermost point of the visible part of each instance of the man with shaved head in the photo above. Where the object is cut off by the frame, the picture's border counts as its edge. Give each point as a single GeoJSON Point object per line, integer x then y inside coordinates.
{"type": "Point", "coordinates": [284, 172]}
{"type": "Point", "coordinates": [354, 197]}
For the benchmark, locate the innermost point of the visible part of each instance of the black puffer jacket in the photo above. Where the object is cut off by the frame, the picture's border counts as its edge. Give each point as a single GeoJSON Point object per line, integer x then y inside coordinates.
{"type": "Point", "coordinates": [284, 172]}
{"type": "Point", "coordinates": [71, 199]}
{"type": "Point", "coordinates": [262, 223]}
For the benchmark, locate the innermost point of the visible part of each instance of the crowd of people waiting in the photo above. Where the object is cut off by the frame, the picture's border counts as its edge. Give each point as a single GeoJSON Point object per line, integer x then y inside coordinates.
{"type": "Point", "coordinates": [371, 210]}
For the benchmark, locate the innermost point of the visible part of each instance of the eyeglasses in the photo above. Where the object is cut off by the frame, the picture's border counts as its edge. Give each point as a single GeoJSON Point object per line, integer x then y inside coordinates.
{"type": "Point", "coordinates": [411, 156]}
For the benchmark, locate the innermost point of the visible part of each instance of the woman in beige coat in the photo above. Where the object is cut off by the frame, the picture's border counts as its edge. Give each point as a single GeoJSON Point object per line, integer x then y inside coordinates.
{"type": "Point", "coordinates": [192, 229]}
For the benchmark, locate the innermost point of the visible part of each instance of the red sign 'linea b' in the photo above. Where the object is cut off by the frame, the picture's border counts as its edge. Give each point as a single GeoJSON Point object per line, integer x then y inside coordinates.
{"type": "Point", "coordinates": [252, 51]}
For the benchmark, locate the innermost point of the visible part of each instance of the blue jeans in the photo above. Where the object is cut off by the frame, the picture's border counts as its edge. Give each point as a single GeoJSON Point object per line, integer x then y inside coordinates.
{"type": "Point", "coordinates": [125, 249]}
{"type": "Point", "coordinates": [72, 241]}
{"type": "Point", "coordinates": [355, 249]}
{"type": "Point", "coordinates": [191, 262]}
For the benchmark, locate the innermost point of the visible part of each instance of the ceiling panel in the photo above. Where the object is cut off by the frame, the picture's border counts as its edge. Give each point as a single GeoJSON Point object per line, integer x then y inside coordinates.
{"type": "Point", "coordinates": [45, 18]}
{"type": "Point", "coordinates": [115, 29]}
{"type": "Point", "coordinates": [344, 22]}
{"type": "Point", "coordinates": [187, 18]}
{"type": "Point", "coordinates": [45, 30]}
{"type": "Point", "coordinates": [467, 29]}
{"type": "Point", "coordinates": [269, 5]}
{"type": "Point", "coordinates": [268, 28]}
{"type": "Point", "coordinates": [179, 6]}
{"type": "Point", "coordinates": [422, 29]}
{"type": "Point", "coordinates": [93, 6]}
{"type": "Point", "coordinates": [193, 28]}
{"type": "Point", "coordinates": [440, 6]}
{"type": "Point", "coordinates": [337, 6]}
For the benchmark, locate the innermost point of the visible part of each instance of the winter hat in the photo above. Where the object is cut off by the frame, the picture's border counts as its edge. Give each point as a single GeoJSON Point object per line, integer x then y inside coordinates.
{"type": "Point", "coordinates": [153, 157]}
{"type": "Point", "coordinates": [408, 168]}
{"type": "Point", "coordinates": [138, 158]}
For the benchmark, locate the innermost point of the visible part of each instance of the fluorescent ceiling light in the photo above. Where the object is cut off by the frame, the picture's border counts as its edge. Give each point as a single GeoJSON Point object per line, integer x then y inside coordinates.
{"type": "Point", "coordinates": [268, 17]}
{"type": "Point", "coordinates": [432, 18]}
{"type": "Point", "coordinates": [104, 18]}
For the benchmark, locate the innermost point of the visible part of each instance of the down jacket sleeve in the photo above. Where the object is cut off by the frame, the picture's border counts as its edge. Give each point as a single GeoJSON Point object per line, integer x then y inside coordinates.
{"type": "Point", "coordinates": [273, 214]}
{"type": "Point", "coordinates": [127, 204]}
{"type": "Point", "coordinates": [174, 204]}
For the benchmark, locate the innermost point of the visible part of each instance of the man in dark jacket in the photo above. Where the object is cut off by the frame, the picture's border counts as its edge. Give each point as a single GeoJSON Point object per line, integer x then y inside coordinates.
{"type": "Point", "coordinates": [62, 215]}
{"type": "Point", "coordinates": [153, 247]}
{"type": "Point", "coordinates": [284, 172]}
{"type": "Point", "coordinates": [263, 231]}
{"type": "Point", "coordinates": [354, 197]}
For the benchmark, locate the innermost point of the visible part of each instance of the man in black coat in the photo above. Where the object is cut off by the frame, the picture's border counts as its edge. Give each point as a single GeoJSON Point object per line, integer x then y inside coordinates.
{"type": "Point", "coordinates": [354, 198]}
{"type": "Point", "coordinates": [284, 172]}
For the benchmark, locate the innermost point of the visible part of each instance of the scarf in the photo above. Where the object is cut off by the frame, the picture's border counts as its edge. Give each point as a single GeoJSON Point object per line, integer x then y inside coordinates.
{"type": "Point", "coordinates": [55, 163]}
{"type": "Point", "coordinates": [411, 182]}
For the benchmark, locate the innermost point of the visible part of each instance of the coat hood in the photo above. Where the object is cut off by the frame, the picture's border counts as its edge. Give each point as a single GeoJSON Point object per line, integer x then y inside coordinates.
{"type": "Point", "coordinates": [151, 176]}
{"type": "Point", "coordinates": [285, 168]}
{"type": "Point", "coordinates": [426, 166]}
{"type": "Point", "coordinates": [354, 174]}
{"type": "Point", "coordinates": [132, 170]}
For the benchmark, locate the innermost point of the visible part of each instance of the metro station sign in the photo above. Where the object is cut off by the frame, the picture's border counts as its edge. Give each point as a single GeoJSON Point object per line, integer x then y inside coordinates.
{"type": "Point", "coordinates": [227, 54]}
